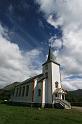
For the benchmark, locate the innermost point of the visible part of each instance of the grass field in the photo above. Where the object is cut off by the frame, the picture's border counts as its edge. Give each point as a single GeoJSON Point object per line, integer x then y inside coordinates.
{"type": "Point", "coordinates": [26, 115]}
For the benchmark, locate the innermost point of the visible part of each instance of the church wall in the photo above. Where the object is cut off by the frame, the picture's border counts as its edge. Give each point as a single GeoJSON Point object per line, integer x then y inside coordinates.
{"type": "Point", "coordinates": [49, 87]}
{"type": "Point", "coordinates": [39, 98]}
{"type": "Point", "coordinates": [33, 94]}
{"type": "Point", "coordinates": [35, 90]}
{"type": "Point", "coordinates": [46, 90]}
{"type": "Point", "coordinates": [47, 70]}
{"type": "Point", "coordinates": [24, 98]}
{"type": "Point", "coordinates": [38, 92]}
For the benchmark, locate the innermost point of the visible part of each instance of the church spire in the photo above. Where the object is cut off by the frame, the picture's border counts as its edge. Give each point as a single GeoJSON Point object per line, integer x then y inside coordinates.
{"type": "Point", "coordinates": [51, 57]}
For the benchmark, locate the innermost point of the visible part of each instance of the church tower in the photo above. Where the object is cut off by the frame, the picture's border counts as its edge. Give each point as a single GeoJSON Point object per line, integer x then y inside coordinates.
{"type": "Point", "coordinates": [51, 70]}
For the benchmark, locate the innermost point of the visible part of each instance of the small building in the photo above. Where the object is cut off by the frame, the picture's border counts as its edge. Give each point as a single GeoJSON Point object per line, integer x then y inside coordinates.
{"type": "Point", "coordinates": [44, 89]}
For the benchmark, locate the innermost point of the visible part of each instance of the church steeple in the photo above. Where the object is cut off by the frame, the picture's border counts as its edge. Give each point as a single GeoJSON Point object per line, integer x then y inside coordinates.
{"type": "Point", "coordinates": [51, 57]}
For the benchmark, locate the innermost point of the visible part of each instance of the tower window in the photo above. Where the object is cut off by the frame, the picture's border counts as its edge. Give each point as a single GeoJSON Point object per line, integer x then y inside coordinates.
{"type": "Point", "coordinates": [56, 84]}
{"type": "Point", "coordinates": [46, 67]}
{"type": "Point", "coordinates": [46, 74]}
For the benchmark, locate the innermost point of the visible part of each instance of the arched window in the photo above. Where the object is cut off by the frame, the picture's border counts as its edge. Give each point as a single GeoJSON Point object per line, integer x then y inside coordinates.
{"type": "Point", "coordinates": [23, 90]}
{"type": "Point", "coordinates": [17, 89]}
{"type": "Point", "coordinates": [46, 67]}
{"type": "Point", "coordinates": [27, 90]}
{"type": "Point", "coordinates": [56, 84]}
{"type": "Point", "coordinates": [39, 92]}
{"type": "Point", "coordinates": [20, 91]}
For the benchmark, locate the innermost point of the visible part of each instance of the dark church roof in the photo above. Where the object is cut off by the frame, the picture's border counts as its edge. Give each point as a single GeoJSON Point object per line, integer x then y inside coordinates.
{"type": "Point", "coordinates": [51, 57]}
{"type": "Point", "coordinates": [29, 80]}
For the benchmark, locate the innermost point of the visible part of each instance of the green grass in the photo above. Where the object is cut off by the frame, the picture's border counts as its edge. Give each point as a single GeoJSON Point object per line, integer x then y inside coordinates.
{"type": "Point", "coordinates": [26, 115]}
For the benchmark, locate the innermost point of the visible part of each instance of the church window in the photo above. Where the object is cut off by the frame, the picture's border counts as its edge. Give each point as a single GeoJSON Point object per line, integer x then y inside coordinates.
{"type": "Point", "coordinates": [13, 91]}
{"type": "Point", "coordinates": [46, 74]}
{"type": "Point", "coordinates": [23, 90]}
{"type": "Point", "coordinates": [56, 84]}
{"type": "Point", "coordinates": [17, 91]}
{"type": "Point", "coordinates": [39, 92]}
{"type": "Point", "coordinates": [20, 91]}
{"type": "Point", "coordinates": [27, 89]}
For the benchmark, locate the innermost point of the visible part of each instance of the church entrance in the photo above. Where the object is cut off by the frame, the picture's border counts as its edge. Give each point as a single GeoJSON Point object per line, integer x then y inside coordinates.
{"type": "Point", "coordinates": [63, 96]}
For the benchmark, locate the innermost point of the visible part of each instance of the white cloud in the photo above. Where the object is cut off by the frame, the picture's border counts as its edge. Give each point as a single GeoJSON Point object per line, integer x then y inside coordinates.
{"type": "Point", "coordinates": [46, 6]}
{"type": "Point", "coordinates": [55, 23]}
{"type": "Point", "coordinates": [68, 16]}
{"type": "Point", "coordinates": [15, 65]}
{"type": "Point", "coordinates": [55, 43]}
{"type": "Point", "coordinates": [72, 84]}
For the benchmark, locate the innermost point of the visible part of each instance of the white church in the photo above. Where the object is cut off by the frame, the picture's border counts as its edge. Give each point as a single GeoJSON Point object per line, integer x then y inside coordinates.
{"type": "Point", "coordinates": [44, 90]}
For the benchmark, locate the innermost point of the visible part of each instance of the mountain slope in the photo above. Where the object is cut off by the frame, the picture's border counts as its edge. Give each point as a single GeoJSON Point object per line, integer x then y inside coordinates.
{"type": "Point", "coordinates": [75, 97]}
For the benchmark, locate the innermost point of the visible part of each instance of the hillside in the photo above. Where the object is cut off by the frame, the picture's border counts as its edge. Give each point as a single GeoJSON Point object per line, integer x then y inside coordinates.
{"type": "Point", "coordinates": [75, 97]}
{"type": "Point", "coordinates": [10, 86]}
{"type": "Point", "coordinates": [7, 90]}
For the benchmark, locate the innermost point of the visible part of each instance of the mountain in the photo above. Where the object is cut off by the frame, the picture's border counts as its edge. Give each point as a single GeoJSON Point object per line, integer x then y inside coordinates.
{"type": "Point", "coordinates": [10, 86]}
{"type": "Point", "coordinates": [7, 90]}
{"type": "Point", "coordinates": [75, 97]}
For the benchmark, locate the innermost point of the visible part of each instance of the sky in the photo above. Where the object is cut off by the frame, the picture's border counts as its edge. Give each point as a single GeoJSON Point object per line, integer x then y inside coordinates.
{"type": "Point", "coordinates": [29, 27]}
